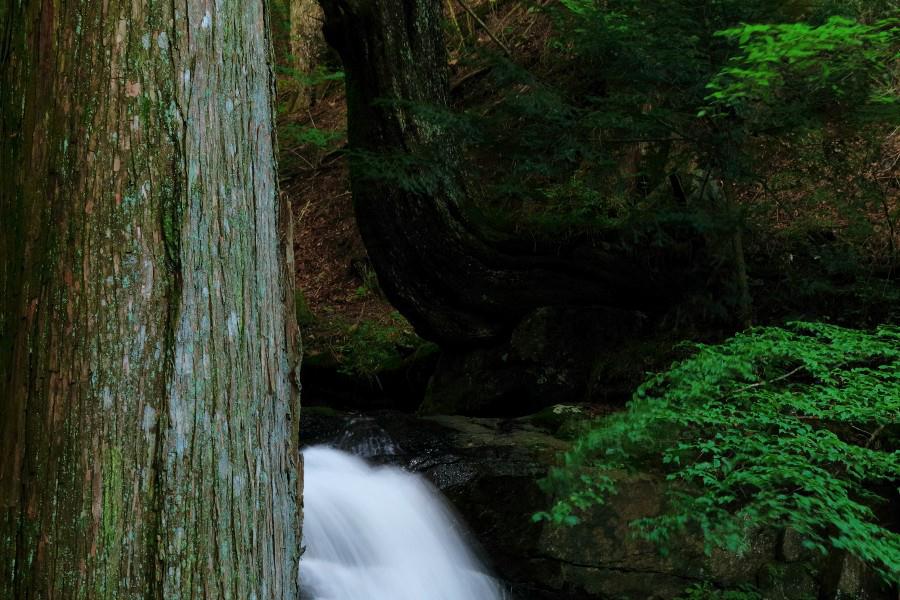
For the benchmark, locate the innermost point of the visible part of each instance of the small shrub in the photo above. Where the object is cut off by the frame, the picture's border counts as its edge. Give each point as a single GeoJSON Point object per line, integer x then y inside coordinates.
{"type": "Point", "coordinates": [778, 427]}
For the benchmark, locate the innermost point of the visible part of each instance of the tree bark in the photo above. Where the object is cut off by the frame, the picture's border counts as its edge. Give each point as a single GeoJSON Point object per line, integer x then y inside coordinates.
{"type": "Point", "coordinates": [306, 41]}
{"type": "Point", "coordinates": [439, 269]}
{"type": "Point", "coordinates": [148, 423]}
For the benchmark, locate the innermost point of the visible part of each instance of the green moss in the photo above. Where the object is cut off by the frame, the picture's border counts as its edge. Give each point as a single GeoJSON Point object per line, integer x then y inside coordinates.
{"type": "Point", "coordinates": [321, 411]}
{"type": "Point", "coordinates": [706, 591]}
{"type": "Point", "coordinates": [111, 518]}
{"type": "Point", "coordinates": [145, 106]}
{"type": "Point", "coordinates": [365, 348]}
{"type": "Point", "coordinates": [301, 306]}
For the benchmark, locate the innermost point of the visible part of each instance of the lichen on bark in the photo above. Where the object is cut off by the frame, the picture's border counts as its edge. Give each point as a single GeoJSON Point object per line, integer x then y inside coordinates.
{"type": "Point", "coordinates": [147, 421]}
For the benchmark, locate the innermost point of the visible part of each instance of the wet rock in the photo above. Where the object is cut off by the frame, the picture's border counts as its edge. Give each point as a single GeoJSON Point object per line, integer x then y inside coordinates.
{"type": "Point", "coordinates": [848, 578]}
{"type": "Point", "coordinates": [791, 547]}
{"type": "Point", "coordinates": [790, 581]}
{"type": "Point", "coordinates": [364, 437]}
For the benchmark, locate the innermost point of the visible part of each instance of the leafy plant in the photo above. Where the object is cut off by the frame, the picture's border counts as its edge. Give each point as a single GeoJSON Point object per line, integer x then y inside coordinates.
{"type": "Point", "coordinates": [837, 62]}
{"type": "Point", "coordinates": [778, 427]}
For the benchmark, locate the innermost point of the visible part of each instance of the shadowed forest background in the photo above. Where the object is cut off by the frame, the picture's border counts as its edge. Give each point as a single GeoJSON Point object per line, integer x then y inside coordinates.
{"type": "Point", "coordinates": [619, 278]}
{"type": "Point", "coordinates": [613, 183]}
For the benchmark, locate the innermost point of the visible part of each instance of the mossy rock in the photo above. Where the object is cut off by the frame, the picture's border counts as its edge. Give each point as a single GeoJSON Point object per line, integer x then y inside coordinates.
{"type": "Point", "coordinates": [565, 421]}
{"type": "Point", "coordinates": [321, 411]}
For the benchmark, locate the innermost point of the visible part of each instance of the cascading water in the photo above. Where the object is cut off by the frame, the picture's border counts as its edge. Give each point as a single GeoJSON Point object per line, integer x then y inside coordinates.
{"type": "Point", "coordinates": [380, 533]}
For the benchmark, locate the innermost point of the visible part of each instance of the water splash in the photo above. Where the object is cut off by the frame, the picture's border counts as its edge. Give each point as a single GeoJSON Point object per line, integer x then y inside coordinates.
{"type": "Point", "coordinates": [380, 533]}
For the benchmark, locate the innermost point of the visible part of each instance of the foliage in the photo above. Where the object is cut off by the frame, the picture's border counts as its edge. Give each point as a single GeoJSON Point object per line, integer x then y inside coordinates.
{"type": "Point", "coordinates": [664, 69]}
{"type": "Point", "coordinates": [298, 137]}
{"type": "Point", "coordinates": [786, 105]}
{"type": "Point", "coordinates": [419, 173]}
{"type": "Point", "coordinates": [705, 591]}
{"type": "Point", "coordinates": [778, 427]}
{"type": "Point", "coordinates": [320, 76]}
{"type": "Point", "coordinates": [840, 63]}
{"type": "Point", "coordinates": [294, 134]}
{"type": "Point", "coordinates": [297, 134]}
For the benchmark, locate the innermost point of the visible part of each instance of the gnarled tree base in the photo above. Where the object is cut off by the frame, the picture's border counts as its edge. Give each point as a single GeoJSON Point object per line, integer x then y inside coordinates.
{"type": "Point", "coordinates": [435, 265]}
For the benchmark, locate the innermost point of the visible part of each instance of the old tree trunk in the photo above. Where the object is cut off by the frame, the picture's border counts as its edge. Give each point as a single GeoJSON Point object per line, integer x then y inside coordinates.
{"type": "Point", "coordinates": [448, 277]}
{"type": "Point", "coordinates": [147, 415]}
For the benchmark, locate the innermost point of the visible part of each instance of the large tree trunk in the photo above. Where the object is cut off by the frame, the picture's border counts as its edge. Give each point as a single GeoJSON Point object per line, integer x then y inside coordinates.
{"type": "Point", "coordinates": [147, 415]}
{"type": "Point", "coordinates": [438, 268]}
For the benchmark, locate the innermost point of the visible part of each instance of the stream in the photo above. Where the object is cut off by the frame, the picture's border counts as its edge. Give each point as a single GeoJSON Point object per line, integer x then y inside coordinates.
{"type": "Point", "coordinates": [381, 533]}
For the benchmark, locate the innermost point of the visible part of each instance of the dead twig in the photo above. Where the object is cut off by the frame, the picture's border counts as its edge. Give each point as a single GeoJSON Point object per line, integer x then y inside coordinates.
{"type": "Point", "coordinates": [770, 381]}
{"type": "Point", "coordinates": [487, 29]}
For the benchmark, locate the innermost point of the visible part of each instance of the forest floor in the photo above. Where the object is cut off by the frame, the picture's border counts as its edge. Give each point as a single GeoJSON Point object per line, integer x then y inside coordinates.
{"type": "Point", "coordinates": [332, 273]}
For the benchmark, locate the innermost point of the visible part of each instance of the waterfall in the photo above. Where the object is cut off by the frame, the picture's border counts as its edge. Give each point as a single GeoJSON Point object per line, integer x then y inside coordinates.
{"type": "Point", "coordinates": [380, 533]}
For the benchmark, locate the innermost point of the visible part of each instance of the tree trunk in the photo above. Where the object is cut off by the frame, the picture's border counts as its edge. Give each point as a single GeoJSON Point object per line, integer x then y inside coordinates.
{"type": "Point", "coordinates": [148, 421]}
{"type": "Point", "coordinates": [438, 268]}
{"type": "Point", "coordinates": [306, 41]}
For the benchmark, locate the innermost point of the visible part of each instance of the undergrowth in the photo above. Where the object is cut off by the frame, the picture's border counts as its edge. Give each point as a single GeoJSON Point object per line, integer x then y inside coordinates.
{"type": "Point", "coordinates": [705, 591]}
{"type": "Point", "coordinates": [367, 347]}
{"type": "Point", "coordinates": [793, 427]}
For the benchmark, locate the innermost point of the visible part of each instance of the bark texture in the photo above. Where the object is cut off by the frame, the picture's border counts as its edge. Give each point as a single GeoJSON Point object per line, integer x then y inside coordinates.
{"type": "Point", "coordinates": [439, 269]}
{"type": "Point", "coordinates": [147, 415]}
{"type": "Point", "coordinates": [306, 42]}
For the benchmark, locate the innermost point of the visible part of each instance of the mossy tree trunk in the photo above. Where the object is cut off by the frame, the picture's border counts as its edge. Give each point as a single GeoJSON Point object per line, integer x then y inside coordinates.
{"type": "Point", "coordinates": [447, 276]}
{"type": "Point", "coordinates": [148, 422]}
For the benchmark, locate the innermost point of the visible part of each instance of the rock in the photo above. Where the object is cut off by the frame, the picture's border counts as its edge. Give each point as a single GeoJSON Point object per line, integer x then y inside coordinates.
{"type": "Point", "coordinates": [791, 547]}
{"type": "Point", "coordinates": [497, 493]}
{"type": "Point", "coordinates": [489, 469]}
{"type": "Point", "coordinates": [851, 579]}
{"type": "Point", "coordinates": [790, 581]}
{"type": "Point", "coordinates": [398, 385]}
{"type": "Point", "coordinates": [602, 557]}
{"type": "Point", "coordinates": [564, 421]}
{"type": "Point", "coordinates": [551, 358]}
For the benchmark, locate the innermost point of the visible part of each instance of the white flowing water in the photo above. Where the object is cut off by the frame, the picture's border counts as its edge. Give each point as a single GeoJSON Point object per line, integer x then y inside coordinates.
{"type": "Point", "coordinates": [380, 533]}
